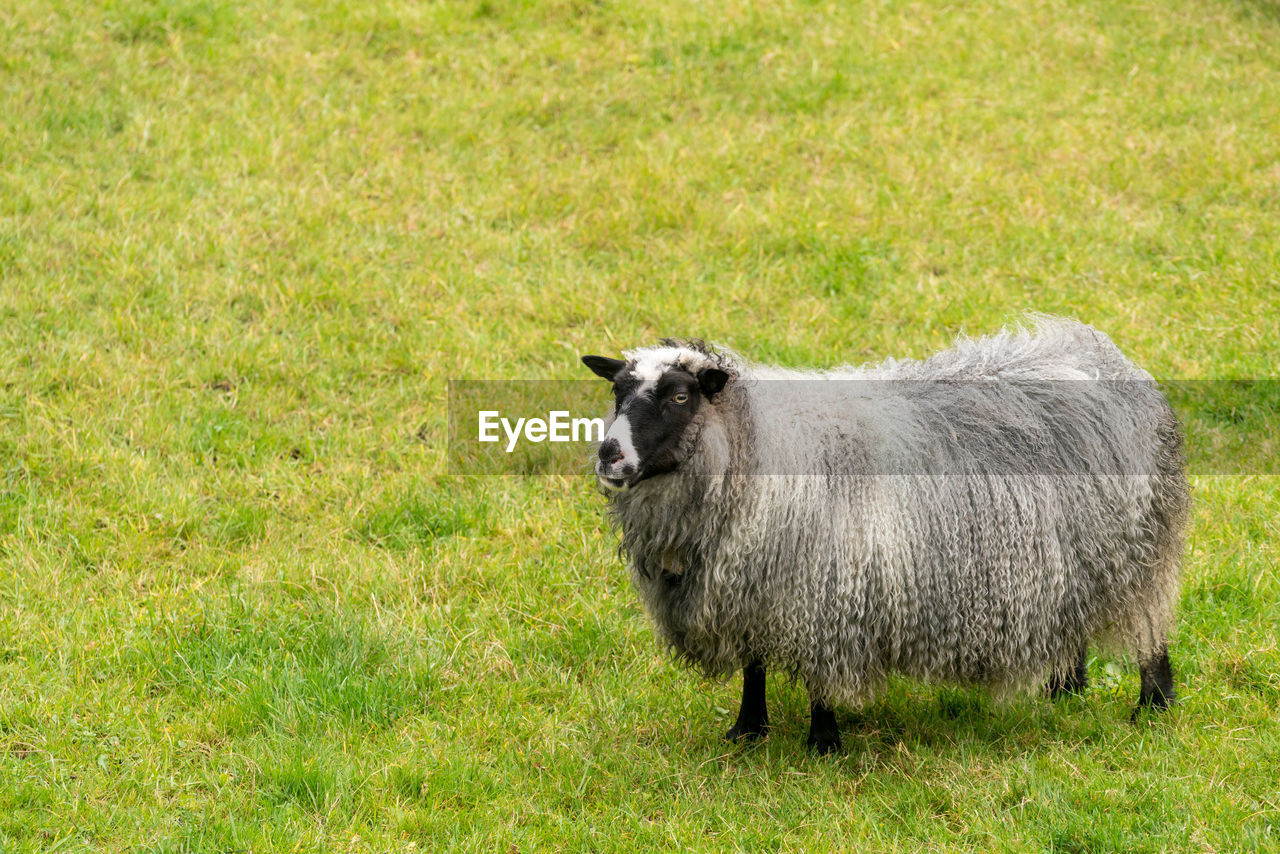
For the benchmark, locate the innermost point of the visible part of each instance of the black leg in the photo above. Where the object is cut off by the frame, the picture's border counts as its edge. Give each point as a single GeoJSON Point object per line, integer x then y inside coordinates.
{"type": "Point", "coordinates": [753, 715]}
{"type": "Point", "coordinates": [1157, 683]}
{"type": "Point", "coordinates": [824, 732]}
{"type": "Point", "coordinates": [1074, 680]}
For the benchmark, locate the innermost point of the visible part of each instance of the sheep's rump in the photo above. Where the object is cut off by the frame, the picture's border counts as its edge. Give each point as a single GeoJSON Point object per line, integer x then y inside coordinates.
{"type": "Point", "coordinates": [977, 517]}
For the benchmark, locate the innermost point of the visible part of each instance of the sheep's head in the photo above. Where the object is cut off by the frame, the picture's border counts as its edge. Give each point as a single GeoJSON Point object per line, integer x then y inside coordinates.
{"type": "Point", "coordinates": [659, 394]}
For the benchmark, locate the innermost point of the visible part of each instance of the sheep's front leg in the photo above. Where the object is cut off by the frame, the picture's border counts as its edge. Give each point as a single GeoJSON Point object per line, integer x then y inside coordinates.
{"type": "Point", "coordinates": [1157, 683]}
{"type": "Point", "coordinates": [1072, 682]}
{"type": "Point", "coordinates": [753, 715]}
{"type": "Point", "coordinates": [824, 732]}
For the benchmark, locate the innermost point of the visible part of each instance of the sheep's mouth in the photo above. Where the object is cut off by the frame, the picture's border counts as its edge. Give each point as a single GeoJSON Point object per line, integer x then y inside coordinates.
{"type": "Point", "coordinates": [614, 484]}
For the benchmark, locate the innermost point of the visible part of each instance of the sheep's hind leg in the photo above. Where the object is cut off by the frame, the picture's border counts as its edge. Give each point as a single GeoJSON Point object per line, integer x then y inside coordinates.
{"type": "Point", "coordinates": [1157, 683]}
{"type": "Point", "coordinates": [824, 732]}
{"type": "Point", "coordinates": [1074, 680]}
{"type": "Point", "coordinates": [753, 714]}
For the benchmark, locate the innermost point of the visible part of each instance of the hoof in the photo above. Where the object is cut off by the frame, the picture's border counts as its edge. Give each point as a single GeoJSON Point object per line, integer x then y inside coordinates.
{"type": "Point", "coordinates": [1158, 703]}
{"type": "Point", "coordinates": [745, 733]}
{"type": "Point", "coordinates": [1056, 694]}
{"type": "Point", "coordinates": [1057, 690]}
{"type": "Point", "coordinates": [825, 745]}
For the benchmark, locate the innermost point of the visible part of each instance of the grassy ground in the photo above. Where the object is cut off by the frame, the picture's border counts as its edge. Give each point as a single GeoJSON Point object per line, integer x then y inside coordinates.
{"type": "Point", "coordinates": [243, 246]}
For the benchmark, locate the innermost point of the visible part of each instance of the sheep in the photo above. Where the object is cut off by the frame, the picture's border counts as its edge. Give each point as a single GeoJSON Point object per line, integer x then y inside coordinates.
{"type": "Point", "coordinates": [979, 517]}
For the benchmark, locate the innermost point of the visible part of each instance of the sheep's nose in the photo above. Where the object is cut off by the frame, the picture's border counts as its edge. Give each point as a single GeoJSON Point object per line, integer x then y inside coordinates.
{"type": "Point", "coordinates": [610, 451]}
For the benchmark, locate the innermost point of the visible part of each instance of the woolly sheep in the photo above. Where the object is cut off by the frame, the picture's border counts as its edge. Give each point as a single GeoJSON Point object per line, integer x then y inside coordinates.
{"type": "Point", "coordinates": [978, 517]}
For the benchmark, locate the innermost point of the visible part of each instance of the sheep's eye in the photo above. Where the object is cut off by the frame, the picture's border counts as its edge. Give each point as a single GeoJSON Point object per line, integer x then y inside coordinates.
{"type": "Point", "coordinates": [680, 397]}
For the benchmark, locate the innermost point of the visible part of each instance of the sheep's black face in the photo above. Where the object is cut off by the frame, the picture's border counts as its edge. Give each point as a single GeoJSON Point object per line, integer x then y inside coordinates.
{"type": "Point", "coordinates": [654, 408]}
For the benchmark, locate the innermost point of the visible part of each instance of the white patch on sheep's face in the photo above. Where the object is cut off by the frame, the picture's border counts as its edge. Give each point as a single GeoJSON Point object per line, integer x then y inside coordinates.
{"type": "Point", "coordinates": [620, 432]}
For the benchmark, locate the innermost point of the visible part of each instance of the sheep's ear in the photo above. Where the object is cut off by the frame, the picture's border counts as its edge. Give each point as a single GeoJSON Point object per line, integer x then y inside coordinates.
{"type": "Point", "coordinates": [712, 380]}
{"type": "Point", "coordinates": [603, 366]}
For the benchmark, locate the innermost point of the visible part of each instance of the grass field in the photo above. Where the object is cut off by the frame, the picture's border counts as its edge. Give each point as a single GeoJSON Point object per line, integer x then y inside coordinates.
{"type": "Point", "coordinates": [244, 245]}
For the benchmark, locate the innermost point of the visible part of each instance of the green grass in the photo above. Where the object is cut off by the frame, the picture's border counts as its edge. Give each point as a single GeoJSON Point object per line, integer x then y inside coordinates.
{"type": "Point", "coordinates": [244, 245]}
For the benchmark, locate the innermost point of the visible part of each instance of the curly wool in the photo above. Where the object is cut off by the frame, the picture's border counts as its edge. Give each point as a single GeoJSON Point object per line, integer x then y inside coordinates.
{"type": "Point", "coordinates": [926, 523]}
